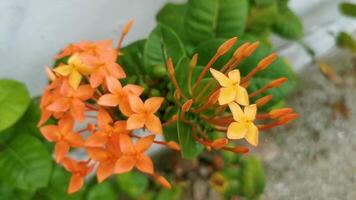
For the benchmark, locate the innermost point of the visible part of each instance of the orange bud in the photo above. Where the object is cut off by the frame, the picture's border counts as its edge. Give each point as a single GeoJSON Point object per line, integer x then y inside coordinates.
{"type": "Point", "coordinates": [214, 97]}
{"type": "Point", "coordinates": [177, 95]}
{"type": "Point", "coordinates": [173, 145]}
{"type": "Point", "coordinates": [250, 49]}
{"type": "Point", "coordinates": [91, 127]}
{"type": "Point", "coordinates": [263, 100]}
{"type": "Point", "coordinates": [193, 61]}
{"type": "Point", "coordinates": [277, 82]}
{"type": "Point", "coordinates": [51, 76]}
{"type": "Point", "coordinates": [226, 46]}
{"type": "Point", "coordinates": [239, 51]}
{"type": "Point", "coordinates": [279, 112]}
{"type": "Point", "coordinates": [219, 143]}
{"type": "Point", "coordinates": [186, 106]}
{"type": "Point", "coordinates": [170, 67]}
{"type": "Point", "coordinates": [163, 181]}
{"type": "Point", "coordinates": [127, 27]}
{"type": "Point", "coordinates": [240, 150]}
{"type": "Point", "coordinates": [265, 62]}
{"type": "Point", "coordinates": [287, 118]}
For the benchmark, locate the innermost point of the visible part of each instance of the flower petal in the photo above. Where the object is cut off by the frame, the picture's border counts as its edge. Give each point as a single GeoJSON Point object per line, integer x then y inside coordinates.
{"type": "Point", "coordinates": [108, 100]}
{"type": "Point", "coordinates": [135, 89]}
{"type": "Point", "coordinates": [104, 119]}
{"type": "Point", "coordinates": [124, 106]}
{"type": "Point", "coordinates": [74, 79]}
{"type": "Point", "coordinates": [144, 164]}
{"type": "Point", "coordinates": [105, 170]}
{"type": "Point", "coordinates": [74, 139]}
{"type": "Point", "coordinates": [124, 164]}
{"type": "Point", "coordinates": [97, 78]}
{"type": "Point", "coordinates": [50, 132]}
{"type": "Point", "coordinates": [227, 95]}
{"type": "Point", "coordinates": [60, 150]}
{"type": "Point", "coordinates": [77, 110]}
{"type": "Point", "coordinates": [221, 78]}
{"type": "Point", "coordinates": [250, 112]}
{"type": "Point", "coordinates": [237, 112]}
{"type": "Point", "coordinates": [60, 105]}
{"type": "Point", "coordinates": [252, 134]}
{"type": "Point", "coordinates": [97, 139]}
{"type": "Point", "coordinates": [114, 85]}
{"type": "Point", "coordinates": [126, 145]}
{"type": "Point", "coordinates": [152, 104]}
{"type": "Point", "coordinates": [76, 182]}
{"type": "Point", "coordinates": [234, 75]}
{"type": "Point", "coordinates": [236, 130]}
{"type": "Point", "coordinates": [84, 92]}
{"type": "Point", "coordinates": [65, 124]}
{"type": "Point", "coordinates": [144, 143]}
{"type": "Point", "coordinates": [97, 154]}
{"type": "Point", "coordinates": [115, 70]}
{"type": "Point", "coordinates": [135, 121]}
{"type": "Point", "coordinates": [242, 96]}
{"type": "Point", "coordinates": [153, 124]}
{"type": "Point", "coordinates": [136, 104]}
{"type": "Point", "coordinates": [63, 70]}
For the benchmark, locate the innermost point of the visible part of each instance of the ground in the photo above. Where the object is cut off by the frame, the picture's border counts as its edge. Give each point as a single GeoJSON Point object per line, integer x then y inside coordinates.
{"type": "Point", "coordinates": [314, 157]}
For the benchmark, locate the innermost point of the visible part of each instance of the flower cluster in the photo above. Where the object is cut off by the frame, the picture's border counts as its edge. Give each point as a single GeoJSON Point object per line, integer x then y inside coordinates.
{"type": "Point", "coordinates": [85, 87]}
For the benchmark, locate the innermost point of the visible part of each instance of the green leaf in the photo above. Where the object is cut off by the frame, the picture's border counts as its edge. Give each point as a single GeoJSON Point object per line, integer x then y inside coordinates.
{"type": "Point", "coordinates": [102, 191]}
{"type": "Point", "coordinates": [25, 163]}
{"type": "Point", "coordinates": [346, 41]}
{"type": "Point", "coordinates": [57, 187]}
{"type": "Point", "coordinates": [348, 9]}
{"type": "Point", "coordinates": [174, 193]}
{"type": "Point", "coordinates": [132, 58]}
{"type": "Point", "coordinates": [263, 3]}
{"type": "Point", "coordinates": [190, 148]}
{"type": "Point", "coordinates": [172, 15]}
{"type": "Point", "coordinates": [200, 21]}
{"type": "Point", "coordinates": [232, 16]}
{"type": "Point", "coordinates": [14, 100]}
{"type": "Point", "coordinates": [181, 73]}
{"type": "Point", "coordinates": [132, 184]}
{"type": "Point", "coordinates": [288, 25]}
{"type": "Point", "coordinates": [252, 177]}
{"type": "Point", "coordinates": [8, 193]}
{"type": "Point", "coordinates": [162, 43]}
{"type": "Point", "coordinates": [260, 20]}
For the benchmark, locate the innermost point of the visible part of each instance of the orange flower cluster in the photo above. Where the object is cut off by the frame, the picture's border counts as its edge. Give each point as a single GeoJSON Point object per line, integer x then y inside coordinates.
{"type": "Point", "coordinates": [88, 86]}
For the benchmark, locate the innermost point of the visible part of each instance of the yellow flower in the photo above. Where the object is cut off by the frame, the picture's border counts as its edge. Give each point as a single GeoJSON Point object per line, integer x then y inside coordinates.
{"type": "Point", "coordinates": [243, 127]}
{"type": "Point", "coordinates": [74, 69]}
{"type": "Point", "coordinates": [231, 89]}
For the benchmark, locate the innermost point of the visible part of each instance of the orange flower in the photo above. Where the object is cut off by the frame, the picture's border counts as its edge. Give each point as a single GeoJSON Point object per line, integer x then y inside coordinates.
{"type": "Point", "coordinates": [106, 158]}
{"type": "Point", "coordinates": [133, 155]}
{"type": "Point", "coordinates": [78, 170]}
{"type": "Point", "coordinates": [72, 100]}
{"type": "Point", "coordinates": [144, 114]}
{"type": "Point", "coordinates": [92, 48]}
{"type": "Point", "coordinates": [119, 95]}
{"type": "Point", "coordinates": [63, 136]}
{"type": "Point", "coordinates": [106, 131]}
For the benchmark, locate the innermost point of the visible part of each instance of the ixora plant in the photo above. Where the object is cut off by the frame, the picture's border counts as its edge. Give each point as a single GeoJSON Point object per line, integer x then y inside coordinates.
{"type": "Point", "coordinates": [210, 112]}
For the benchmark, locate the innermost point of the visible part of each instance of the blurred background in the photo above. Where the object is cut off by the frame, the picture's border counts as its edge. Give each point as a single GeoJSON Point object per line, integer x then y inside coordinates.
{"type": "Point", "coordinates": [310, 159]}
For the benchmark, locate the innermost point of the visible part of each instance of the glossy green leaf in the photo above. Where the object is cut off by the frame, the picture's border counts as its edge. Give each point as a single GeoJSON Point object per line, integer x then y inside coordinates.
{"type": "Point", "coordinates": [260, 20]}
{"type": "Point", "coordinates": [102, 191]}
{"type": "Point", "coordinates": [288, 25]}
{"type": "Point", "coordinates": [25, 163]}
{"type": "Point", "coordinates": [8, 193]}
{"type": "Point", "coordinates": [262, 3]}
{"type": "Point", "coordinates": [174, 193]}
{"type": "Point", "coordinates": [232, 16]}
{"type": "Point", "coordinates": [132, 184]}
{"type": "Point", "coordinates": [200, 21]}
{"type": "Point", "coordinates": [190, 148]}
{"type": "Point", "coordinates": [132, 58]}
{"type": "Point", "coordinates": [181, 74]}
{"type": "Point", "coordinates": [172, 15]}
{"type": "Point", "coordinates": [14, 100]}
{"type": "Point", "coordinates": [57, 187]}
{"type": "Point", "coordinates": [252, 177]}
{"type": "Point", "coordinates": [348, 9]}
{"type": "Point", "coordinates": [162, 43]}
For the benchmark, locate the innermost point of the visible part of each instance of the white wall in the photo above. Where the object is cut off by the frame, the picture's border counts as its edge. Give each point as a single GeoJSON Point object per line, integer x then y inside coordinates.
{"type": "Point", "coordinates": [32, 31]}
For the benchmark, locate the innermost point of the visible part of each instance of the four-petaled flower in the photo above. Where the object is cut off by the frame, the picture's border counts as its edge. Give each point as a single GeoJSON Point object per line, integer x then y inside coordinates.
{"type": "Point", "coordinates": [231, 89]}
{"type": "Point", "coordinates": [63, 136]}
{"type": "Point", "coordinates": [243, 127]}
{"type": "Point", "coordinates": [75, 69]}
{"type": "Point", "coordinates": [143, 115]}
{"type": "Point", "coordinates": [133, 155]}
{"type": "Point", "coordinates": [78, 170]}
